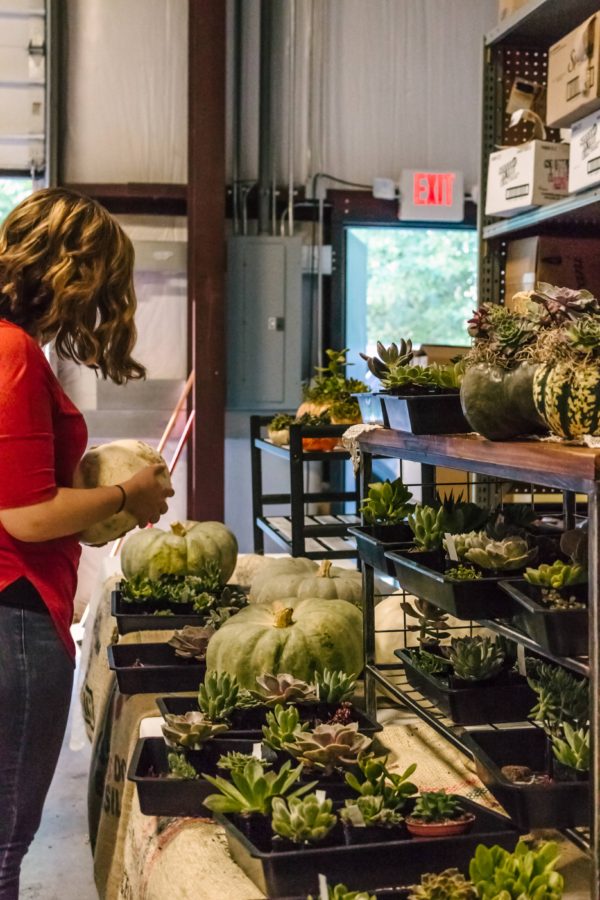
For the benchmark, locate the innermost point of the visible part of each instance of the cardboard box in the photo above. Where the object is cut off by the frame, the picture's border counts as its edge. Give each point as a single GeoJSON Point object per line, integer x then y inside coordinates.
{"type": "Point", "coordinates": [584, 157]}
{"type": "Point", "coordinates": [573, 75]}
{"type": "Point", "coordinates": [508, 7]}
{"type": "Point", "coordinates": [526, 176]}
{"type": "Point", "coordinates": [568, 262]}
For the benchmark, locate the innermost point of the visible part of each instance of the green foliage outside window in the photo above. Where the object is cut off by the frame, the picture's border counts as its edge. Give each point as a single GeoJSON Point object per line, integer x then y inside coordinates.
{"type": "Point", "coordinates": [12, 191]}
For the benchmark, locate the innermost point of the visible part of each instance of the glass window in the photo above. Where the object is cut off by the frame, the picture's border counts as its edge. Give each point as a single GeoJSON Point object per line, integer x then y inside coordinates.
{"type": "Point", "coordinates": [12, 191]}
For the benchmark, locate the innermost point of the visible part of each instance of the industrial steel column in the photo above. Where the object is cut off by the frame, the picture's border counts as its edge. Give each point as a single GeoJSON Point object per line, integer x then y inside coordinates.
{"type": "Point", "coordinates": [206, 255]}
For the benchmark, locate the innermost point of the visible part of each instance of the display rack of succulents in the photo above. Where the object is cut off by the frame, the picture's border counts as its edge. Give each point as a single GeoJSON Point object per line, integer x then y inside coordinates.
{"type": "Point", "coordinates": [178, 665]}
{"type": "Point", "coordinates": [417, 399]}
{"type": "Point", "coordinates": [471, 680]}
{"type": "Point", "coordinates": [384, 511]}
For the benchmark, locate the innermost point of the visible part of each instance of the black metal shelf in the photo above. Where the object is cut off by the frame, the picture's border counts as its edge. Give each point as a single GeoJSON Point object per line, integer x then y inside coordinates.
{"type": "Point", "coordinates": [575, 664]}
{"type": "Point", "coordinates": [540, 23]}
{"type": "Point", "coordinates": [315, 536]}
{"type": "Point", "coordinates": [577, 209]}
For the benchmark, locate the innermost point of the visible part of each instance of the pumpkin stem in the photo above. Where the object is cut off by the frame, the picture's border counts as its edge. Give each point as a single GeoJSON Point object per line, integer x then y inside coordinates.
{"type": "Point", "coordinates": [179, 529]}
{"type": "Point", "coordinates": [283, 617]}
{"type": "Point", "coordinates": [325, 569]}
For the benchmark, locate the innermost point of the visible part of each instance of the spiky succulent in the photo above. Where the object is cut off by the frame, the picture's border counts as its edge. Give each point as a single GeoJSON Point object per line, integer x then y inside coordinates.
{"type": "Point", "coordinates": [475, 658]}
{"type": "Point", "coordinates": [448, 885]}
{"type": "Point", "coordinates": [282, 688]}
{"type": "Point", "coordinates": [389, 358]}
{"type": "Point", "coordinates": [558, 575]}
{"type": "Point", "coordinates": [561, 697]}
{"type": "Point", "coordinates": [252, 789]}
{"type": "Point", "coordinates": [502, 556]}
{"type": "Point", "coordinates": [387, 503]}
{"type": "Point", "coordinates": [561, 304]}
{"type": "Point", "coordinates": [235, 761]}
{"type": "Point", "coordinates": [369, 810]}
{"type": "Point", "coordinates": [180, 768]}
{"type": "Point", "coordinates": [334, 686]}
{"type": "Point", "coordinates": [191, 730]}
{"type": "Point", "coordinates": [329, 747]}
{"type": "Point", "coordinates": [429, 524]}
{"type": "Point", "coordinates": [217, 697]}
{"type": "Point", "coordinates": [303, 820]}
{"type": "Point", "coordinates": [526, 874]}
{"type": "Point", "coordinates": [437, 806]}
{"type": "Point", "coordinates": [573, 748]}
{"type": "Point", "coordinates": [191, 641]}
{"type": "Point", "coordinates": [283, 724]}
{"type": "Point", "coordinates": [431, 621]}
{"type": "Point", "coordinates": [430, 663]}
{"type": "Point", "coordinates": [509, 520]}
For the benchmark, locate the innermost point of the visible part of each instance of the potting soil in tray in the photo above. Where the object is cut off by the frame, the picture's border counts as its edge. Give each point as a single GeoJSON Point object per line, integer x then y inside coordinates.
{"type": "Point", "coordinates": [507, 698]}
{"type": "Point", "coordinates": [247, 723]}
{"type": "Point", "coordinates": [423, 573]}
{"type": "Point", "coordinates": [426, 413]}
{"type": "Point", "coordinates": [152, 668]}
{"type": "Point", "coordinates": [556, 804]}
{"type": "Point", "coordinates": [374, 541]}
{"type": "Point", "coordinates": [563, 632]}
{"type": "Point", "coordinates": [363, 866]}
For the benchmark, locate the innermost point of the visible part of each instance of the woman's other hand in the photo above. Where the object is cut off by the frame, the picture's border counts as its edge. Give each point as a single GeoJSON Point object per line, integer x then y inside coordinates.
{"type": "Point", "coordinates": [147, 494]}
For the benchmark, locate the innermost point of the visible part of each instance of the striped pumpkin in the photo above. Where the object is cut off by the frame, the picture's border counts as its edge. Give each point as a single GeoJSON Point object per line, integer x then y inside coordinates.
{"type": "Point", "coordinates": [567, 396]}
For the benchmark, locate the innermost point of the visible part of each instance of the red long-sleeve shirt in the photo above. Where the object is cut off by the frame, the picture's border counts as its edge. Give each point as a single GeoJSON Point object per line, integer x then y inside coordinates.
{"type": "Point", "coordinates": [42, 438]}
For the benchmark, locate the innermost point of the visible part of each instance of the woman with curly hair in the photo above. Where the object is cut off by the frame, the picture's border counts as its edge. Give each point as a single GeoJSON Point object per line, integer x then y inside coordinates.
{"type": "Point", "coordinates": [66, 274]}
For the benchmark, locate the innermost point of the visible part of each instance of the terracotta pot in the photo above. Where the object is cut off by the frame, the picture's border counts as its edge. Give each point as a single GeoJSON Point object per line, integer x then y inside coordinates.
{"type": "Point", "coordinates": [320, 444]}
{"type": "Point", "coordinates": [418, 828]}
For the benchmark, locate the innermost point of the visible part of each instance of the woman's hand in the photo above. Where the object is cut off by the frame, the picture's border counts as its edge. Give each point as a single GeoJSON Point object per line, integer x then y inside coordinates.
{"type": "Point", "coordinates": [147, 495]}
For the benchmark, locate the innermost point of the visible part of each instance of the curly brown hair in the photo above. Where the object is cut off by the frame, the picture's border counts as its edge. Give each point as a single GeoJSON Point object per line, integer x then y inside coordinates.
{"type": "Point", "coordinates": [66, 274]}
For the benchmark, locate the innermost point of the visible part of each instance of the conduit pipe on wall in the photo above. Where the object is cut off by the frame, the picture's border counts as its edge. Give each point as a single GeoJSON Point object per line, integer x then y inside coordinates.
{"type": "Point", "coordinates": [265, 165]}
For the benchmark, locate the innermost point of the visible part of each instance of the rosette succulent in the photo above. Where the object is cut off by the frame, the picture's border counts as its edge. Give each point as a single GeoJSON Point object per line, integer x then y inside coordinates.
{"type": "Point", "coordinates": [475, 658]}
{"type": "Point", "coordinates": [561, 304]}
{"type": "Point", "coordinates": [558, 575]}
{"type": "Point", "coordinates": [191, 641]}
{"type": "Point", "coordinates": [283, 688]}
{"type": "Point", "coordinates": [437, 806]}
{"type": "Point", "coordinates": [526, 874]}
{"type": "Point", "coordinates": [389, 358]}
{"type": "Point", "coordinates": [235, 761]}
{"type": "Point", "coordinates": [369, 810]}
{"type": "Point", "coordinates": [387, 503]}
{"type": "Point", "coordinates": [218, 696]}
{"type": "Point", "coordinates": [180, 768]}
{"type": "Point", "coordinates": [303, 820]}
{"type": "Point", "coordinates": [502, 556]}
{"type": "Point", "coordinates": [329, 747]}
{"type": "Point", "coordinates": [191, 730]}
{"type": "Point", "coordinates": [448, 885]}
{"type": "Point", "coordinates": [283, 724]}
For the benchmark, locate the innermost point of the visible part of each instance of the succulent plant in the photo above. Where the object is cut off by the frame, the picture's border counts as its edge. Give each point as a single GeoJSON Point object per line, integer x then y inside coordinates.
{"type": "Point", "coordinates": [331, 383]}
{"type": "Point", "coordinates": [191, 730]}
{"type": "Point", "coordinates": [465, 541]}
{"type": "Point", "coordinates": [503, 337]}
{"type": "Point", "coordinates": [526, 874]}
{"type": "Point", "coordinates": [428, 526]}
{"type": "Point", "coordinates": [430, 663]}
{"type": "Point", "coordinates": [281, 422]}
{"type": "Point", "coordinates": [562, 304]}
{"type": "Point", "coordinates": [334, 687]}
{"type": "Point", "coordinates": [463, 573]}
{"type": "Point", "coordinates": [343, 715]}
{"type": "Point", "coordinates": [437, 806]}
{"type": "Point", "coordinates": [218, 696]}
{"type": "Point", "coordinates": [574, 543]}
{"type": "Point", "coordinates": [283, 688]}
{"type": "Point", "coordinates": [283, 724]}
{"type": "Point", "coordinates": [583, 336]}
{"type": "Point", "coordinates": [448, 885]}
{"type": "Point", "coordinates": [389, 358]}
{"type": "Point", "coordinates": [475, 658]}
{"type": "Point", "coordinates": [572, 750]}
{"type": "Point", "coordinates": [341, 892]}
{"type": "Point", "coordinates": [558, 575]}
{"type": "Point", "coordinates": [449, 375]}
{"type": "Point", "coordinates": [509, 520]}
{"type": "Point", "coordinates": [252, 789]}
{"type": "Point", "coordinates": [180, 768]}
{"type": "Point", "coordinates": [387, 503]}
{"type": "Point", "coordinates": [431, 621]}
{"type": "Point", "coordinates": [561, 697]}
{"type": "Point", "coordinates": [502, 556]}
{"type": "Point", "coordinates": [235, 761]}
{"type": "Point", "coordinates": [328, 747]}
{"type": "Point", "coordinates": [369, 810]}
{"type": "Point", "coordinates": [191, 641]}
{"type": "Point", "coordinates": [303, 820]}
{"type": "Point", "coordinates": [375, 780]}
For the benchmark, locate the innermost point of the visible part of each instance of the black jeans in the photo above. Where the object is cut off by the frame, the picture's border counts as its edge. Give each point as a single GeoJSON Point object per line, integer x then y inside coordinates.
{"type": "Point", "coordinates": [36, 677]}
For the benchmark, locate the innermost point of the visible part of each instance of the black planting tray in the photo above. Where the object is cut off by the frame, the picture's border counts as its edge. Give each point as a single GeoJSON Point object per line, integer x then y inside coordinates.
{"type": "Point", "coordinates": [364, 866]}
{"type": "Point", "coordinates": [173, 796]}
{"type": "Point", "coordinates": [426, 413]}
{"type": "Point", "coordinates": [160, 670]}
{"type": "Point", "coordinates": [563, 632]}
{"type": "Point", "coordinates": [374, 541]}
{"type": "Point", "coordinates": [423, 573]}
{"type": "Point", "coordinates": [247, 723]}
{"type": "Point", "coordinates": [372, 409]}
{"type": "Point", "coordinates": [555, 805]}
{"type": "Point", "coordinates": [508, 699]}
{"type": "Point", "coordinates": [140, 616]}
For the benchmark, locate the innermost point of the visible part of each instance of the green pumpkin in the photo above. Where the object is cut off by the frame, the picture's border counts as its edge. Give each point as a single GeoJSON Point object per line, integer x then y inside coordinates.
{"type": "Point", "coordinates": [185, 550]}
{"type": "Point", "coordinates": [568, 397]}
{"type": "Point", "coordinates": [498, 403]}
{"type": "Point", "coordinates": [299, 637]}
{"type": "Point", "coordinates": [300, 577]}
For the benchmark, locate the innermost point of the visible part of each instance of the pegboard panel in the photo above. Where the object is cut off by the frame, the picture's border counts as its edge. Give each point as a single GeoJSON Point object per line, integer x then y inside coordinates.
{"type": "Point", "coordinates": [518, 62]}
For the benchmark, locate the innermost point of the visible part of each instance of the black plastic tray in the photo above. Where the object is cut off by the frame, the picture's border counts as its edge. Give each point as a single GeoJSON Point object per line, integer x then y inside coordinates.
{"type": "Point", "coordinates": [509, 700]}
{"type": "Point", "coordinates": [426, 413]}
{"type": "Point", "coordinates": [372, 409]}
{"type": "Point", "coordinates": [365, 866]}
{"type": "Point", "coordinates": [423, 574]}
{"type": "Point", "coordinates": [171, 796]}
{"type": "Point", "coordinates": [161, 670]}
{"type": "Point", "coordinates": [247, 724]}
{"type": "Point", "coordinates": [135, 617]}
{"type": "Point", "coordinates": [562, 632]}
{"type": "Point", "coordinates": [556, 805]}
{"type": "Point", "coordinates": [374, 541]}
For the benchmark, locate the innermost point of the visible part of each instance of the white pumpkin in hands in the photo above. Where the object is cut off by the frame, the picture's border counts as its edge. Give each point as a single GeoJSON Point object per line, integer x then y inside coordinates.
{"type": "Point", "coordinates": [110, 464]}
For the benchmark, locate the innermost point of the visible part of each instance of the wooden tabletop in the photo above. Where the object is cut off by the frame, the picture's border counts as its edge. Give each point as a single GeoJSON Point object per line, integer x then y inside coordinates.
{"type": "Point", "coordinates": [555, 465]}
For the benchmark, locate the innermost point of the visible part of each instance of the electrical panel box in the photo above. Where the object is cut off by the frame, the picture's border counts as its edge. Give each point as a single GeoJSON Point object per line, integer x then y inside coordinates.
{"type": "Point", "coordinates": [266, 325]}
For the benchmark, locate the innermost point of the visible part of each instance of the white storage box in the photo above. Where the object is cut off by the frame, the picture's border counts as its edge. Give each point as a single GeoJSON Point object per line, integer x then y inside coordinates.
{"type": "Point", "coordinates": [526, 176]}
{"type": "Point", "coordinates": [573, 75]}
{"type": "Point", "coordinates": [584, 158]}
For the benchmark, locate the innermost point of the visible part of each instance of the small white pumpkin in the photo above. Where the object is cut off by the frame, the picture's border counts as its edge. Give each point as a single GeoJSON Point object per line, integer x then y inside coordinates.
{"type": "Point", "coordinates": [112, 464]}
{"type": "Point", "coordinates": [300, 577]}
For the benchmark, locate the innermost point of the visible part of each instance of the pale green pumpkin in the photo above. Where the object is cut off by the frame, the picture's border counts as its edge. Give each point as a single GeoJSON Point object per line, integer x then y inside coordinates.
{"type": "Point", "coordinates": [300, 577]}
{"type": "Point", "coordinates": [299, 637]}
{"type": "Point", "coordinates": [185, 550]}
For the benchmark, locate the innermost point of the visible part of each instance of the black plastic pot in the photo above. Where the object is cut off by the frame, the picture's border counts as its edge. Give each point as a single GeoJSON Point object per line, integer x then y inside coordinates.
{"type": "Point", "coordinates": [247, 723]}
{"type": "Point", "coordinates": [140, 616]}
{"type": "Point", "coordinates": [374, 541]}
{"type": "Point", "coordinates": [372, 409]}
{"type": "Point", "coordinates": [555, 805]}
{"type": "Point", "coordinates": [563, 632]}
{"type": "Point", "coordinates": [424, 574]}
{"type": "Point", "coordinates": [507, 698]}
{"type": "Point", "coordinates": [426, 413]}
{"type": "Point", "coordinates": [153, 668]}
{"type": "Point", "coordinates": [364, 866]}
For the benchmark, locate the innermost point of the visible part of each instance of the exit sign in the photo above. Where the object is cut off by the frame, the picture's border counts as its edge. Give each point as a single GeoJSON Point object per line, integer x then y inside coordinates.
{"type": "Point", "coordinates": [431, 196]}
